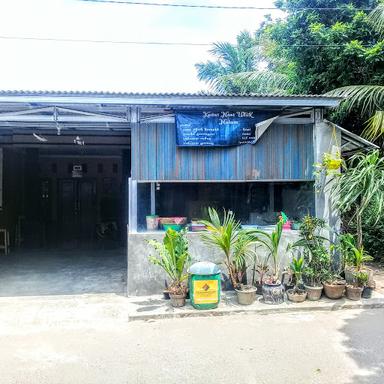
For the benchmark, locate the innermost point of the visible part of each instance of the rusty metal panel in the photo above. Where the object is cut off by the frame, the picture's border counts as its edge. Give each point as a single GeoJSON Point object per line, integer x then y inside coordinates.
{"type": "Point", "coordinates": [284, 152]}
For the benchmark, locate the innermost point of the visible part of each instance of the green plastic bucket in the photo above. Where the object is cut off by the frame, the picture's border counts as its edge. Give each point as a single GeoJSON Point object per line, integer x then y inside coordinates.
{"type": "Point", "coordinates": [204, 285]}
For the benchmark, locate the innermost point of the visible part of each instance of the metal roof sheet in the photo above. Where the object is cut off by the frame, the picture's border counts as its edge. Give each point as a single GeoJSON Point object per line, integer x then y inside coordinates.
{"type": "Point", "coordinates": [209, 99]}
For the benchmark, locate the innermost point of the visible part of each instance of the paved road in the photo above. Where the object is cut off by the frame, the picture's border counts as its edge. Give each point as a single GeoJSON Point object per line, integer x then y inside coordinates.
{"type": "Point", "coordinates": [91, 342]}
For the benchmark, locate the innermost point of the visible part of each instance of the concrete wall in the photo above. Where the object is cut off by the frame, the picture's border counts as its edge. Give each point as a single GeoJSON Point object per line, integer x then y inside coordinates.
{"type": "Point", "coordinates": [146, 279]}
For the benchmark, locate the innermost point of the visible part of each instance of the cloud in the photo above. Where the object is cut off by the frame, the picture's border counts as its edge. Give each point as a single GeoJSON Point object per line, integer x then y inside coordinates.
{"type": "Point", "coordinates": [114, 67]}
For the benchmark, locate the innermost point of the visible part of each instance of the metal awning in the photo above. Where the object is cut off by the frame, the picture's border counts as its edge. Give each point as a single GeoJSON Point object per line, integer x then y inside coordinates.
{"type": "Point", "coordinates": [350, 142]}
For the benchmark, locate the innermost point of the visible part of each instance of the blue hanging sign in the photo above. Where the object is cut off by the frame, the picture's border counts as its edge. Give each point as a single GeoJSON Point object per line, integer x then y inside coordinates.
{"type": "Point", "coordinates": [219, 128]}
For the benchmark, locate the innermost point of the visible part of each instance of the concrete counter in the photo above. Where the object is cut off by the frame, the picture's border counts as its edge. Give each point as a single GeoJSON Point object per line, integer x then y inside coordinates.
{"type": "Point", "coordinates": [147, 279]}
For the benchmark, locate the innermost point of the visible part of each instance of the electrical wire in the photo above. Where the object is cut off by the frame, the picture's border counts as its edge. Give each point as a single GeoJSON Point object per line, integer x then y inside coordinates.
{"type": "Point", "coordinates": [229, 7]}
{"type": "Point", "coordinates": [168, 43]}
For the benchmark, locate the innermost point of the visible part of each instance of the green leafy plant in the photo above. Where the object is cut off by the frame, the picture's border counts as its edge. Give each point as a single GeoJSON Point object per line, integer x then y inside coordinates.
{"type": "Point", "coordinates": [316, 255]}
{"type": "Point", "coordinates": [361, 279]}
{"type": "Point", "coordinates": [173, 257]}
{"type": "Point", "coordinates": [360, 186]}
{"type": "Point", "coordinates": [271, 242]}
{"type": "Point", "coordinates": [261, 265]}
{"type": "Point", "coordinates": [297, 268]}
{"type": "Point", "coordinates": [360, 257]}
{"type": "Point", "coordinates": [235, 242]}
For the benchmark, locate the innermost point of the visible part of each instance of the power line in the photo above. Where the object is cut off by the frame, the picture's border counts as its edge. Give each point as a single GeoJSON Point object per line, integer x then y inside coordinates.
{"type": "Point", "coordinates": [167, 43]}
{"type": "Point", "coordinates": [230, 7]}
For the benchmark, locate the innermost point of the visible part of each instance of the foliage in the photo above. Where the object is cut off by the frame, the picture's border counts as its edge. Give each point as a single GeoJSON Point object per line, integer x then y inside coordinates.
{"type": "Point", "coordinates": [360, 186]}
{"type": "Point", "coordinates": [230, 59]}
{"type": "Point", "coordinates": [227, 235]}
{"type": "Point", "coordinates": [173, 257]}
{"type": "Point", "coordinates": [261, 265]}
{"type": "Point", "coordinates": [323, 49]}
{"type": "Point", "coordinates": [271, 242]}
{"type": "Point", "coordinates": [346, 245]}
{"type": "Point", "coordinates": [369, 99]}
{"type": "Point", "coordinates": [361, 279]}
{"type": "Point", "coordinates": [316, 255]}
{"type": "Point", "coordinates": [297, 268]}
{"type": "Point", "coordinates": [360, 256]}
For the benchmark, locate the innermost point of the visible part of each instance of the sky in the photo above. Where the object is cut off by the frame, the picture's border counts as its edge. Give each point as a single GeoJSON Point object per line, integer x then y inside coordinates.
{"type": "Point", "coordinates": [84, 66]}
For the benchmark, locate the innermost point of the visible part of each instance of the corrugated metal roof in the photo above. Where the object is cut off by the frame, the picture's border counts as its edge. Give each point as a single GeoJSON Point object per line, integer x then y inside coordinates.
{"type": "Point", "coordinates": [166, 99]}
{"type": "Point", "coordinates": [159, 94]}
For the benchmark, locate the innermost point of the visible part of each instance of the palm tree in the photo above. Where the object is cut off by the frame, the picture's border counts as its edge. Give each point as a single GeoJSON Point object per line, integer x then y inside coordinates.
{"type": "Point", "coordinates": [230, 58]}
{"type": "Point", "coordinates": [236, 69]}
{"type": "Point", "coordinates": [368, 98]}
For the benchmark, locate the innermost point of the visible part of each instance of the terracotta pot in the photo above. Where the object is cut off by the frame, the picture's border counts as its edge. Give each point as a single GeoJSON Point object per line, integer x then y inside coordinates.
{"type": "Point", "coordinates": [354, 293]}
{"type": "Point", "coordinates": [295, 296]}
{"type": "Point", "coordinates": [273, 293]}
{"type": "Point", "coordinates": [334, 291]}
{"type": "Point", "coordinates": [246, 296]}
{"type": "Point", "coordinates": [313, 293]}
{"type": "Point", "coordinates": [177, 300]}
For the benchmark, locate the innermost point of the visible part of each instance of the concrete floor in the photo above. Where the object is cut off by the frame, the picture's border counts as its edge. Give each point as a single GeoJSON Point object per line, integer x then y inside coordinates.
{"type": "Point", "coordinates": [87, 339]}
{"type": "Point", "coordinates": [36, 273]}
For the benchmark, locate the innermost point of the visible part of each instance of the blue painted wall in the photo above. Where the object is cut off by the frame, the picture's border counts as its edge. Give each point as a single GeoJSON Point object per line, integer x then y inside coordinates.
{"type": "Point", "coordinates": [284, 152]}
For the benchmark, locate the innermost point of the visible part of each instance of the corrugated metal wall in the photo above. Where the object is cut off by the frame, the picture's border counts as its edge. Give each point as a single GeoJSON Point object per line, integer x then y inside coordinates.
{"type": "Point", "coordinates": [284, 152]}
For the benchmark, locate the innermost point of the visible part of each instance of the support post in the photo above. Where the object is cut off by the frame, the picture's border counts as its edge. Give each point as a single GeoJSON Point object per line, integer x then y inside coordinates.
{"type": "Point", "coordinates": [153, 198]}
{"type": "Point", "coordinates": [132, 195]}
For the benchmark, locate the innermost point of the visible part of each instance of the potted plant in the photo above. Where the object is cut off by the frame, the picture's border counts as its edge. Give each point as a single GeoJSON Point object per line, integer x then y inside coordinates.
{"type": "Point", "coordinates": [227, 235]}
{"type": "Point", "coordinates": [355, 289]}
{"type": "Point", "coordinates": [316, 256]}
{"type": "Point", "coordinates": [354, 258]}
{"type": "Point", "coordinates": [334, 286]}
{"type": "Point", "coordinates": [273, 290]}
{"type": "Point", "coordinates": [173, 257]}
{"type": "Point", "coordinates": [261, 266]}
{"type": "Point", "coordinates": [298, 293]}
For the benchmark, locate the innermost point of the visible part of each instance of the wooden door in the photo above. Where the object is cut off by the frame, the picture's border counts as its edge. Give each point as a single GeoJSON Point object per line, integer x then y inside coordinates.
{"type": "Point", "coordinates": [77, 211]}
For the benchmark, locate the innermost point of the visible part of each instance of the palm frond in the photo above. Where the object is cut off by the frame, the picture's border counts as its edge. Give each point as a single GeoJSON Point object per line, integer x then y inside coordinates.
{"type": "Point", "coordinates": [254, 82]}
{"type": "Point", "coordinates": [368, 98]}
{"type": "Point", "coordinates": [376, 18]}
{"type": "Point", "coordinates": [374, 127]}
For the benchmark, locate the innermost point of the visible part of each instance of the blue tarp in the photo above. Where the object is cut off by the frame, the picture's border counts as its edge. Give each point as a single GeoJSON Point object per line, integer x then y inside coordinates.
{"type": "Point", "coordinates": [218, 128]}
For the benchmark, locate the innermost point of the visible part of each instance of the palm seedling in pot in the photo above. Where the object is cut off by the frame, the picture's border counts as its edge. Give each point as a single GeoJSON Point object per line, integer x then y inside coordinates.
{"type": "Point", "coordinates": [236, 243]}
{"type": "Point", "coordinates": [273, 290]}
{"type": "Point", "coordinates": [173, 257]}
{"type": "Point", "coordinates": [298, 294]}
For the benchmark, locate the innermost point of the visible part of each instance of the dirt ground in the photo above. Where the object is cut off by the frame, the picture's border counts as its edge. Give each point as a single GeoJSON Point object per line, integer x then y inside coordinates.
{"type": "Point", "coordinates": [378, 274]}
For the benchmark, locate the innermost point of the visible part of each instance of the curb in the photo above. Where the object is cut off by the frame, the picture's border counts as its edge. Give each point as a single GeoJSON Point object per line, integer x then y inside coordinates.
{"type": "Point", "coordinates": [172, 313]}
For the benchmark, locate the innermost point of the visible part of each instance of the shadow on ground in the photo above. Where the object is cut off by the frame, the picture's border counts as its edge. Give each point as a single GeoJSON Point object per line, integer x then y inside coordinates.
{"type": "Point", "coordinates": [363, 340]}
{"type": "Point", "coordinates": [37, 273]}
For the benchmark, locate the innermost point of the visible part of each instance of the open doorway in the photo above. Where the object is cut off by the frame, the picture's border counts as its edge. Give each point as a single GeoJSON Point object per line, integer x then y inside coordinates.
{"type": "Point", "coordinates": [65, 208]}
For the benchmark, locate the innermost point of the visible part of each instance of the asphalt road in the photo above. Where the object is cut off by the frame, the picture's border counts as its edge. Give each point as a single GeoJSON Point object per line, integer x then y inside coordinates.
{"type": "Point", "coordinates": [100, 346]}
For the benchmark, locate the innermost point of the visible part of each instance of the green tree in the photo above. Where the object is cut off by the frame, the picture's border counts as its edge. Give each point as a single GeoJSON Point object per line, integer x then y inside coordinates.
{"type": "Point", "coordinates": [368, 99]}
{"type": "Point", "coordinates": [312, 51]}
{"type": "Point", "coordinates": [230, 59]}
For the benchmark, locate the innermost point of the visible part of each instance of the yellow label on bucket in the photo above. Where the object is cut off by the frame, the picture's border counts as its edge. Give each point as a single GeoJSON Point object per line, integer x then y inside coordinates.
{"type": "Point", "coordinates": [205, 291]}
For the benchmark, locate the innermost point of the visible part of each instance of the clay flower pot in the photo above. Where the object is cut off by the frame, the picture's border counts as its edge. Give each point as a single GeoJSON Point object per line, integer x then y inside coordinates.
{"type": "Point", "coordinates": [354, 293]}
{"type": "Point", "coordinates": [296, 297]}
{"type": "Point", "coordinates": [313, 293]}
{"type": "Point", "coordinates": [334, 291]}
{"type": "Point", "coordinates": [246, 295]}
{"type": "Point", "coordinates": [177, 300]}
